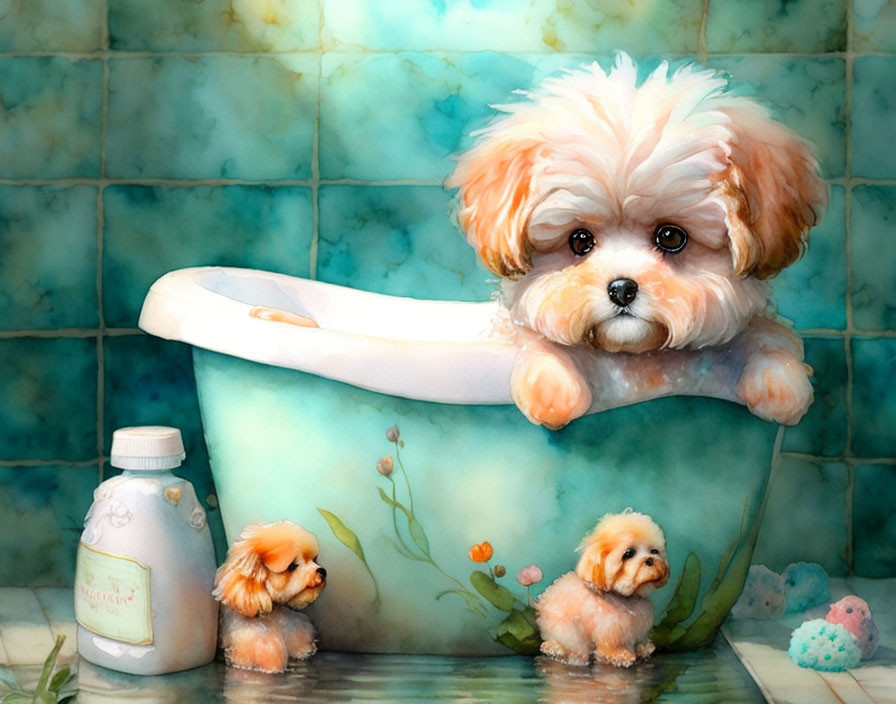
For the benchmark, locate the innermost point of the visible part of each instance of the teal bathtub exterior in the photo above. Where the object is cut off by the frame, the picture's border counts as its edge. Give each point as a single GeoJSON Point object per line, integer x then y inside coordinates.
{"type": "Point", "coordinates": [285, 444]}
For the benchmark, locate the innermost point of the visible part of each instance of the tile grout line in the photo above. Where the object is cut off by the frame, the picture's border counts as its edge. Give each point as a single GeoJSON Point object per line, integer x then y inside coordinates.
{"type": "Point", "coordinates": [100, 228]}
{"type": "Point", "coordinates": [191, 183]}
{"type": "Point", "coordinates": [307, 183]}
{"type": "Point", "coordinates": [850, 323]}
{"type": "Point", "coordinates": [144, 54]}
{"type": "Point", "coordinates": [47, 462]}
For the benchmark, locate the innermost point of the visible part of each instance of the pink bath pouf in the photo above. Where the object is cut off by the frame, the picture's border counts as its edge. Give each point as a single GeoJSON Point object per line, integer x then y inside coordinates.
{"type": "Point", "coordinates": [853, 613]}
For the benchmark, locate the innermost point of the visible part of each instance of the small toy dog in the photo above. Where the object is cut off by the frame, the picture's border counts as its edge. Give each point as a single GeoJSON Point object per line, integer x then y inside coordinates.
{"type": "Point", "coordinates": [270, 572]}
{"type": "Point", "coordinates": [601, 609]}
{"type": "Point", "coordinates": [642, 219]}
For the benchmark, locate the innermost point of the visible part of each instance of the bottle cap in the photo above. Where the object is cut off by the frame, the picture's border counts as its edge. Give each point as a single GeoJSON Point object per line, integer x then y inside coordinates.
{"type": "Point", "coordinates": [147, 447]}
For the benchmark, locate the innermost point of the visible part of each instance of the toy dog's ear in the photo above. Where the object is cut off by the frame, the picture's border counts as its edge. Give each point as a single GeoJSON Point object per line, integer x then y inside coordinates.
{"type": "Point", "coordinates": [592, 566]}
{"type": "Point", "coordinates": [240, 581]}
{"type": "Point", "coordinates": [771, 192]}
{"type": "Point", "coordinates": [496, 197]}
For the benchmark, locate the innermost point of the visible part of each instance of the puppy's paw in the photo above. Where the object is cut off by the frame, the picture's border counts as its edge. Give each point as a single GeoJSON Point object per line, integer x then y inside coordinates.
{"type": "Point", "coordinates": [263, 653]}
{"type": "Point", "coordinates": [549, 390]}
{"type": "Point", "coordinates": [301, 643]}
{"type": "Point", "coordinates": [554, 649]}
{"type": "Point", "coordinates": [616, 655]}
{"type": "Point", "coordinates": [775, 387]}
{"type": "Point", "coordinates": [644, 650]}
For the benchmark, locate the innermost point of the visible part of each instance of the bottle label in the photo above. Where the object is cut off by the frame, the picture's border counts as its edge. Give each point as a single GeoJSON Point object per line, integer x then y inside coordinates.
{"type": "Point", "coordinates": [112, 597]}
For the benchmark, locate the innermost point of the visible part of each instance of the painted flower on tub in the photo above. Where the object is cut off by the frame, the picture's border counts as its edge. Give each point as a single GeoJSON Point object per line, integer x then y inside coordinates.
{"type": "Point", "coordinates": [482, 552]}
{"type": "Point", "coordinates": [385, 466]}
{"type": "Point", "coordinates": [529, 575]}
{"type": "Point", "coordinates": [516, 630]}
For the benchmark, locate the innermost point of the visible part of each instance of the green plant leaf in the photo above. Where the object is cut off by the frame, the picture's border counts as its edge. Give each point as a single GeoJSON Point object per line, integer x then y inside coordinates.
{"type": "Point", "coordinates": [347, 537]}
{"type": "Point", "coordinates": [685, 598]}
{"type": "Point", "coordinates": [472, 600]}
{"type": "Point", "coordinates": [724, 591]}
{"type": "Point", "coordinates": [343, 534]}
{"type": "Point", "coordinates": [17, 698]}
{"type": "Point", "coordinates": [728, 555]}
{"type": "Point", "coordinates": [7, 679]}
{"type": "Point", "coordinates": [418, 535]}
{"type": "Point", "coordinates": [60, 678]}
{"type": "Point", "coordinates": [69, 691]}
{"type": "Point", "coordinates": [47, 670]}
{"type": "Point", "coordinates": [394, 504]}
{"type": "Point", "coordinates": [402, 550]}
{"type": "Point", "coordinates": [500, 597]}
{"type": "Point", "coordinates": [519, 634]}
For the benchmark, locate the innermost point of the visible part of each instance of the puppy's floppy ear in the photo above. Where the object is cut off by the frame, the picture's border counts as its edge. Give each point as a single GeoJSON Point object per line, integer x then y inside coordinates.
{"type": "Point", "coordinates": [496, 196]}
{"type": "Point", "coordinates": [240, 581]}
{"type": "Point", "coordinates": [592, 564]}
{"type": "Point", "coordinates": [771, 191]}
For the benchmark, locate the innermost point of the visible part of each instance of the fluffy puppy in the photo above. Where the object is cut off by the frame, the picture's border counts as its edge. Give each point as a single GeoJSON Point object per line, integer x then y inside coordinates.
{"type": "Point", "coordinates": [601, 609]}
{"type": "Point", "coordinates": [638, 218]}
{"type": "Point", "coordinates": [269, 575]}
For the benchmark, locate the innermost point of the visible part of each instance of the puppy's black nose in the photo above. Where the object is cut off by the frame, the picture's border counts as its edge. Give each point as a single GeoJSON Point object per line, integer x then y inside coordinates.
{"type": "Point", "coordinates": [649, 562]}
{"type": "Point", "coordinates": [622, 291]}
{"type": "Point", "coordinates": [322, 572]}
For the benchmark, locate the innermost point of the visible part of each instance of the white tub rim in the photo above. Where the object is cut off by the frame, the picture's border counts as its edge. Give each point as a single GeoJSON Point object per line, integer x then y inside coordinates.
{"type": "Point", "coordinates": [365, 339]}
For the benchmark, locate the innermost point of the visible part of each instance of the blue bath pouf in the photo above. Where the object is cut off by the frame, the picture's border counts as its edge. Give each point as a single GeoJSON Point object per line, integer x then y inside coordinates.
{"type": "Point", "coordinates": [806, 585]}
{"type": "Point", "coordinates": [820, 645]}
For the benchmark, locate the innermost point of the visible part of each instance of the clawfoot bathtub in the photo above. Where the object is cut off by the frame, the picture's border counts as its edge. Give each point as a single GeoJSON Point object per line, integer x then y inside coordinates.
{"type": "Point", "coordinates": [385, 426]}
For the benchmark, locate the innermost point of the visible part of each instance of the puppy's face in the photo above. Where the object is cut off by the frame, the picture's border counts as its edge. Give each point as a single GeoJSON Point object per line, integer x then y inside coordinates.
{"type": "Point", "coordinates": [625, 554]}
{"type": "Point", "coordinates": [632, 218]}
{"type": "Point", "coordinates": [273, 563]}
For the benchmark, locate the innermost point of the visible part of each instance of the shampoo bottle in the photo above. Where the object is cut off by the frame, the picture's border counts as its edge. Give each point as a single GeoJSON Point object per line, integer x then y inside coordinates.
{"type": "Point", "coordinates": [146, 563]}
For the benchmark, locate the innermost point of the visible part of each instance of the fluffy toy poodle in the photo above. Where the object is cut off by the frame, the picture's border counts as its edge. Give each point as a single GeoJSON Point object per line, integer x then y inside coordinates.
{"type": "Point", "coordinates": [641, 218]}
{"type": "Point", "coordinates": [269, 575]}
{"type": "Point", "coordinates": [600, 610]}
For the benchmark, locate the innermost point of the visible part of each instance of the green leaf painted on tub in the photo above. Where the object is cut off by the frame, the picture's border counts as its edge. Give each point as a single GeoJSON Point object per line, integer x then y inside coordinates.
{"type": "Point", "coordinates": [518, 633]}
{"type": "Point", "coordinates": [418, 535]}
{"type": "Point", "coordinates": [471, 599]}
{"type": "Point", "coordinates": [404, 552]}
{"type": "Point", "coordinates": [347, 537]}
{"type": "Point", "coordinates": [724, 591]}
{"type": "Point", "coordinates": [499, 597]}
{"type": "Point", "coordinates": [394, 504]}
{"type": "Point", "coordinates": [728, 555]}
{"type": "Point", "coordinates": [685, 597]}
{"type": "Point", "coordinates": [343, 534]}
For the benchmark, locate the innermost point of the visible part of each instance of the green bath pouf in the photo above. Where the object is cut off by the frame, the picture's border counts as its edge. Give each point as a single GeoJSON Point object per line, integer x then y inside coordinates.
{"type": "Point", "coordinates": [820, 645]}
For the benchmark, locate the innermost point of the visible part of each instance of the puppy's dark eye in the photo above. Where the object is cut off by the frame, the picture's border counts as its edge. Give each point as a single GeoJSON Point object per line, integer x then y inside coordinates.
{"type": "Point", "coordinates": [670, 238]}
{"type": "Point", "coordinates": [581, 242]}
{"type": "Point", "coordinates": [292, 567]}
{"type": "Point", "coordinates": [628, 554]}
{"type": "Point", "coordinates": [654, 552]}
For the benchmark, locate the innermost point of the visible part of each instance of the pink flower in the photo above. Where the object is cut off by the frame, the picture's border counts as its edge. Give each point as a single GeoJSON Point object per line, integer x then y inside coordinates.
{"type": "Point", "coordinates": [392, 434]}
{"type": "Point", "coordinates": [385, 465]}
{"type": "Point", "coordinates": [529, 575]}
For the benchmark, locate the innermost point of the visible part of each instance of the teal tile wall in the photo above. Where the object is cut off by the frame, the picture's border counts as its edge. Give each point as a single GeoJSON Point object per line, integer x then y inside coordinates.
{"type": "Point", "coordinates": [311, 137]}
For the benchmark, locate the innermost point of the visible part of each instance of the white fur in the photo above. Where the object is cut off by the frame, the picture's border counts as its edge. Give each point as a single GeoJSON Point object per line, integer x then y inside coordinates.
{"type": "Point", "coordinates": [596, 150]}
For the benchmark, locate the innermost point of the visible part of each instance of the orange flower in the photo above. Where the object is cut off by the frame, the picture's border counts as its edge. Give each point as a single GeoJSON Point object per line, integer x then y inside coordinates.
{"type": "Point", "coordinates": [482, 552]}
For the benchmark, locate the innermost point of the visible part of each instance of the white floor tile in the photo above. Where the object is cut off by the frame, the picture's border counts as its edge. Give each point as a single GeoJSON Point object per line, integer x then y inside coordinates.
{"type": "Point", "coordinates": [24, 628]}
